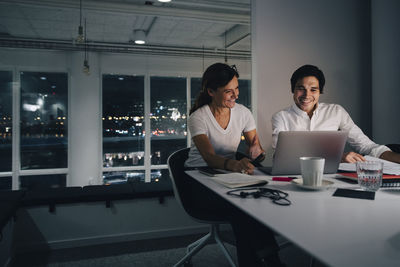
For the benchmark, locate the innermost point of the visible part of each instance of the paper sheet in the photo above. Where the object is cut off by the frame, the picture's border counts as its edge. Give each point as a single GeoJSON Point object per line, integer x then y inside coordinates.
{"type": "Point", "coordinates": [388, 167]}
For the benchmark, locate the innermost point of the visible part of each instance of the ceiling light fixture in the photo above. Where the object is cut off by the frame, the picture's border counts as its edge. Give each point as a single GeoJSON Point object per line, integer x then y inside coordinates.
{"type": "Point", "coordinates": [80, 39]}
{"type": "Point", "coordinates": [140, 36]}
{"type": "Point", "coordinates": [164, 1]}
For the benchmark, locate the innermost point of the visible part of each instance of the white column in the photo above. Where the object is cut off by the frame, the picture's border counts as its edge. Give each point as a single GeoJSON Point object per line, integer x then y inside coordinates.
{"type": "Point", "coordinates": [84, 121]}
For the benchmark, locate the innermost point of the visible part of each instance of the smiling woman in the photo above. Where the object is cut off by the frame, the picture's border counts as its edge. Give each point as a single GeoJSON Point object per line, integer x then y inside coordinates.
{"type": "Point", "coordinates": [217, 122]}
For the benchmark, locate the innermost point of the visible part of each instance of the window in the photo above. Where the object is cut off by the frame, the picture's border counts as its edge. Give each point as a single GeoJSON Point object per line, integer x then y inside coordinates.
{"type": "Point", "coordinates": [125, 141]}
{"type": "Point", "coordinates": [5, 121]}
{"type": "Point", "coordinates": [167, 117]}
{"type": "Point", "coordinates": [195, 88]}
{"type": "Point", "coordinates": [44, 103]}
{"type": "Point", "coordinates": [244, 93]}
{"type": "Point", "coordinates": [123, 120]}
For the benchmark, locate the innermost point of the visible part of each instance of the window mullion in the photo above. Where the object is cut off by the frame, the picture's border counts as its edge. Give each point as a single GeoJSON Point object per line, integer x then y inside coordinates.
{"type": "Point", "coordinates": [188, 106]}
{"type": "Point", "coordinates": [16, 97]}
{"type": "Point", "coordinates": [147, 147]}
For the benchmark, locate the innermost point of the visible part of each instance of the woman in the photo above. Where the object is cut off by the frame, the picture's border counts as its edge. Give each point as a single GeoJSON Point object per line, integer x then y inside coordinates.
{"type": "Point", "coordinates": [216, 124]}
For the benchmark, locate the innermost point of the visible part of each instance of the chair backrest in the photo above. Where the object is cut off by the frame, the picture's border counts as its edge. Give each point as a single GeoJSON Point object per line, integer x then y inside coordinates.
{"type": "Point", "coordinates": [394, 147]}
{"type": "Point", "coordinates": [176, 162]}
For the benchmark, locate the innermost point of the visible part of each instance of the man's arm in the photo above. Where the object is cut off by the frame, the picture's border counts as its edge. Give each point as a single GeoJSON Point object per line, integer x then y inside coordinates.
{"type": "Point", "coordinates": [390, 156]}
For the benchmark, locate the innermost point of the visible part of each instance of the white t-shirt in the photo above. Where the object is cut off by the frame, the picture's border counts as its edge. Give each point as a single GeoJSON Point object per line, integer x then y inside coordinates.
{"type": "Point", "coordinates": [326, 117]}
{"type": "Point", "coordinates": [224, 141]}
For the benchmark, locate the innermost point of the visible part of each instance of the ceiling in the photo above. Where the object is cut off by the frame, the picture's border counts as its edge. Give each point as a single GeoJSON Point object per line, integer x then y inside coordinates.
{"type": "Point", "coordinates": [196, 27]}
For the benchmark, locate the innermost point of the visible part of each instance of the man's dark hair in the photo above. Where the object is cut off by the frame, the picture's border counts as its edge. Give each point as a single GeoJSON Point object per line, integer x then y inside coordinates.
{"type": "Point", "coordinates": [305, 71]}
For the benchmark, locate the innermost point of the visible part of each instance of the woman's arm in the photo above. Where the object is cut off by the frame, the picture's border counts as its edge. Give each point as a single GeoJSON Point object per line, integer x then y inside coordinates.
{"type": "Point", "coordinates": [213, 160]}
{"type": "Point", "coordinates": [253, 144]}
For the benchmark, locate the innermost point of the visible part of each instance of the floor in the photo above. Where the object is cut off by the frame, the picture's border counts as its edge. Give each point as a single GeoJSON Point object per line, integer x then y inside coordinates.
{"type": "Point", "coordinates": [147, 253]}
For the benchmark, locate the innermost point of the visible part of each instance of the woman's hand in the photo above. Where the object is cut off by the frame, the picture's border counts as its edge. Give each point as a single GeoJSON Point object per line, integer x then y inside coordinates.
{"type": "Point", "coordinates": [244, 166]}
{"type": "Point", "coordinates": [352, 157]}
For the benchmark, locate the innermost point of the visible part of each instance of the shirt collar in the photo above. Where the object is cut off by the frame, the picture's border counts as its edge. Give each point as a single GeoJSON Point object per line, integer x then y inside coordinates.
{"type": "Point", "coordinates": [300, 112]}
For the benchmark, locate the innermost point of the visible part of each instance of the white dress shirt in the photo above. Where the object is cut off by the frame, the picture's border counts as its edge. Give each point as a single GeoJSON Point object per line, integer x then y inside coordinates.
{"type": "Point", "coordinates": [326, 117]}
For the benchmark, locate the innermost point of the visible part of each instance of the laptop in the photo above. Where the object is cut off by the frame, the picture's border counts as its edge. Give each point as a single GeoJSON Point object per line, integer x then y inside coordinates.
{"type": "Point", "coordinates": [295, 144]}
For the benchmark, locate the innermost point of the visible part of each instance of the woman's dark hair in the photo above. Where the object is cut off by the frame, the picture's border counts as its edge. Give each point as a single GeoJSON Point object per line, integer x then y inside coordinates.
{"type": "Point", "coordinates": [305, 71]}
{"type": "Point", "coordinates": [217, 75]}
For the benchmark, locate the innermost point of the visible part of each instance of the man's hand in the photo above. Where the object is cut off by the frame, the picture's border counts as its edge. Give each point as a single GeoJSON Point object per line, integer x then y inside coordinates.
{"type": "Point", "coordinates": [352, 157]}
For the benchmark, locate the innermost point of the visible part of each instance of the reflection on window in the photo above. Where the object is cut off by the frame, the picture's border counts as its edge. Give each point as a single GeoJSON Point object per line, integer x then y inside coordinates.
{"type": "Point", "coordinates": [123, 120]}
{"type": "Point", "coordinates": [42, 181]}
{"type": "Point", "coordinates": [159, 178]}
{"type": "Point", "coordinates": [167, 117]}
{"type": "Point", "coordinates": [5, 120]}
{"type": "Point", "coordinates": [44, 102]}
{"type": "Point", "coordinates": [5, 183]}
{"type": "Point", "coordinates": [122, 177]}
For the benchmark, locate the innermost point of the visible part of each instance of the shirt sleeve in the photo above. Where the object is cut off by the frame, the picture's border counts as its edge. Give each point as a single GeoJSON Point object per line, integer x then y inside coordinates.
{"type": "Point", "coordinates": [357, 139]}
{"type": "Point", "coordinates": [197, 125]}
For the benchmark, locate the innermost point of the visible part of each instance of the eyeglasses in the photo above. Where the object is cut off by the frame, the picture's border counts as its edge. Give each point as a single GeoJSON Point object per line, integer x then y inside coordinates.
{"type": "Point", "coordinates": [234, 67]}
{"type": "Point", "coordinates": [278, 197]}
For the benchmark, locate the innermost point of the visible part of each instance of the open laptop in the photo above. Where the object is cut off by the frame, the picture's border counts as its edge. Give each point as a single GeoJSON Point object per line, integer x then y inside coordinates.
{"type": "Point", "coordinates": [295, 144]}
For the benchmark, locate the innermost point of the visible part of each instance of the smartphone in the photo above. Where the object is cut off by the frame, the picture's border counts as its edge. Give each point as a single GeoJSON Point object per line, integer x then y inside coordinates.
{"type": "Point", "coordinates": [256, 161]}
{"type": "Point", "coordinates": [209, 171]}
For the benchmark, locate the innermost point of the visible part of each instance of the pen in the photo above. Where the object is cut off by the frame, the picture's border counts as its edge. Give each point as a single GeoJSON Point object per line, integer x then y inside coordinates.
{"type": "Point", "coordinates": [283, 179]}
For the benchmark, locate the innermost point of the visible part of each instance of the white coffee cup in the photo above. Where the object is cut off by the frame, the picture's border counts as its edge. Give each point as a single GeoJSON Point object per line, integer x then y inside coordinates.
{"type": "Point", "coordinates": [312, 170]}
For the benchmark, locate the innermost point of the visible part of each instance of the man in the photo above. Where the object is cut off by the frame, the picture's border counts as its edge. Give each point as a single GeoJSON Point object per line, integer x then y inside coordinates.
{"type": "Point", "coordinates": [307, 114]}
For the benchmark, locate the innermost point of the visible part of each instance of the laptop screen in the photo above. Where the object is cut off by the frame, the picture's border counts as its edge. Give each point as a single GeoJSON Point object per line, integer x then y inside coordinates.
{"type": "Point", "coordinates": [292, 145]}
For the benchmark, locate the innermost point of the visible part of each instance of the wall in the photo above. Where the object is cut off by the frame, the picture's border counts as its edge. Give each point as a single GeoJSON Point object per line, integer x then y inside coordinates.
{"type": "Point", "coordinates": [385, 70]}
{"type": "Point", "coordinates": [84, 224]}
{"type": "Point", "coordinates": [334, 35]}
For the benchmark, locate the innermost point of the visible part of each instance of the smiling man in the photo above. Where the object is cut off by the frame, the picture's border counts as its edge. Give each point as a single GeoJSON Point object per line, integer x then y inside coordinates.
{"type": "Point", "coordinates": [307, 114]}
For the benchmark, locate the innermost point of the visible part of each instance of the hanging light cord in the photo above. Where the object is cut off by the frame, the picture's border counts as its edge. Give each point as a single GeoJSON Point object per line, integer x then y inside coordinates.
{"type": "Point", "coordinates": [86, 44]}
{"type": "Point", "coordinates": [80, 12]}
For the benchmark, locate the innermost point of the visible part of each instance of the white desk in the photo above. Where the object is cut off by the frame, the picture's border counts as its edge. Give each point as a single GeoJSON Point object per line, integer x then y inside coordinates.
{"type": "Point", "coordinates": [336, 230]}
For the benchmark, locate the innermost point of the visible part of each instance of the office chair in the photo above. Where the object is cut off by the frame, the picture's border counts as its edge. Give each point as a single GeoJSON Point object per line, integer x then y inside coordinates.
{"type": "Point", "coordinates": [176, 169]}
{"type": "Point", "coordinates": [394, 147]}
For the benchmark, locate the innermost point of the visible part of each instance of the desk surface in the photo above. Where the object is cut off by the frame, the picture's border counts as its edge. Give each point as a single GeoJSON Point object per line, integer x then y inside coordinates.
{"type": "Point", "coordinates": [336, 230]}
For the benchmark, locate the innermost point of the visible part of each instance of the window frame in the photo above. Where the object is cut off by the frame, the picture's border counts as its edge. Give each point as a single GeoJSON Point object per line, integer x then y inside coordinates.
{"type": "Point", "coordinates": [16, 171]}
{"type": "Point", "coordinates": [10, 173]}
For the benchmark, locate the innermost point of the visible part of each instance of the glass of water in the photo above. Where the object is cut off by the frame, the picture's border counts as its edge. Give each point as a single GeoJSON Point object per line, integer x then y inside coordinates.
{"type": "Point", "coordinates": [369, 174]}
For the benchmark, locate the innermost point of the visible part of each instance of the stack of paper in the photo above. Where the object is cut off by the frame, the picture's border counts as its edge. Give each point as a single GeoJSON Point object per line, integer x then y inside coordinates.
{"type": "Point", "coordinates": [388, 167]}
{"type": "Point", "coordinates": [235, 179]}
